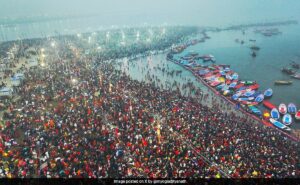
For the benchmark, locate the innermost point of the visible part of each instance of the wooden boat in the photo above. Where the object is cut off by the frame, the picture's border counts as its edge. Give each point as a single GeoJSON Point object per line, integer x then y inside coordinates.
{"type": "Point", "coordinates": [249, 93]}
{"type": "Point", "coordinates": [235, 76]}
{"type": "Point", "coordinates": [283, 82]}
{"type": "Point", "coordinates": [279, 125]}
{"type": "Point", "coordinates": [253, 87]}
{"type": "Point", "coordinates": [236, 95]}
{"type": "Point", "coordinates": [268, 93]}
{"type": "Point", "coordinates": [255, 110]}
{"type": "Point", "coordinates": [228, 77]}
{"type": "Point", "coordinates": [203, 72]}
{"type": "Point", "coordinates": [214, 83]}
{"type": "Point", "coordinates": [287, 119]}
{"type": "Point", "coordinates": [246, 99]}
{"type": "Point", "coordinates": [225, 88]}
{"type": "Point", "coordinates": [233, 84]}
{"type": "Point", "coordinates": [275, 114]}
{"type": "Point", "coordinates": [297, 76]}
{"type": "Point", "coordinates": [227, 69]}
{"type": "Point", "coordinates": [259, 98]}
{"type": "Point", "coordinates": [208, 74]}
{"type": "Point", "coordinates": [248, 82]}
{"type": "Point", "coordinates": [292, 109]}
{"type": "Point", "coordinates": [248, 103]}
{"type": "Point", "coordinates": [282, 108]}
{"type": "Point", "coordinates": [288, 71]}
{"type": "Point", "coordinates": [219, 87]}
{"type": "Point", "coordinates": [239, 86]}
{"type": "Point", "coordinates": [268, 104]}
{"type": "Point", "coordinates": [297, 115]}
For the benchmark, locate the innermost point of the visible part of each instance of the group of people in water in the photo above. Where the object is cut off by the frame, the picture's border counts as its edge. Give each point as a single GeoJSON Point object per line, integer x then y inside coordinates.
{"type": "Point", "coordinates": [94, 121]}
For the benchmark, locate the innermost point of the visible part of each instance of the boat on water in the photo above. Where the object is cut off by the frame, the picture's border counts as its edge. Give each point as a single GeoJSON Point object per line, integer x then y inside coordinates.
{"type": "Point", "coordinates": [287, 119]}
{"type": "Point", "coordinates": [233, 84]}
{"type": "Point", "coordinates": [239, 86]}
{"type": "Point", "coordinates": [297, 75]}
{"type": "Point", "coordinates": [249, 93]}
{"type": "Point", "coordinates": [214, 83]}
{"type": "Point", "coordinates": [245, 99]}
{"type": "Point", "coordinates": [279, 125]}
{"type": "Point", "coordinates": [295, 65]}
{"type": "Point", "coordinates": [282, 108]}
{"type": "Point", "coordinates": [219, 87]}
{"type": "Point", "coordinates": [268, 93]}
{"type": "Point", "coordinates": [259, 98]}
{"type": "Point", "coordinates": [236, 95]}
{"type": "Point", "coordinates": [255, 48]}
{"type": "Point", "coordinates": [253, 87]}
{"type": "Point", "coordinates": [283, 82]}
{"type": "Point", "coordinates": [288, 71]}
{"type": "Point", "coordinates": [248, 82]}
{"type": "Point", "coordinates": [203, 72]}
{"type": "Point", "coordinates": [297, 115]}
{"type": "Point", "coordinates": [292, 109]}
{"type": "Point", "coordinates": [275, 114]}
{"type": "Point", "coordinates": [255, 110]}
{"type": "Point", "coordinates": [235, 76]}
{"type": "Point", "coordinates": [248, 103]}
{"type": "Point", "coordinates": [268, 104]}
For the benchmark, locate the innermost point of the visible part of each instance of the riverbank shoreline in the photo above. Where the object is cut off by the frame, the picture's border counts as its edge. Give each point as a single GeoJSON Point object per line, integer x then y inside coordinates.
{"type": "Point", "coordinates": [295, 136]}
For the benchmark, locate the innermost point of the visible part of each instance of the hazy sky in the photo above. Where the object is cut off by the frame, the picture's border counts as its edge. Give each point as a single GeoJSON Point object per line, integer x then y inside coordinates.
{"type": "Point", "coordinates": [199, 12]}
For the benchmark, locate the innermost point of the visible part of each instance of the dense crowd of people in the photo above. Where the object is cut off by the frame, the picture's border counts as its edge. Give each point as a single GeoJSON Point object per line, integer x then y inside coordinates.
{"type": "Point", "coordinates": [94, 121]}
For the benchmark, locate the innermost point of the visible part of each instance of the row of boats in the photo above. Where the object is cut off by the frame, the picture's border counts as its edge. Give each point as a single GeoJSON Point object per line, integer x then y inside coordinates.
{"type": "Point", "coordinates": [244, 93]}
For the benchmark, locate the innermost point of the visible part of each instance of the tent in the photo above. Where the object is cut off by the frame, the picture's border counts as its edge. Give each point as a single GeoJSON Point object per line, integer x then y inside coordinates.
{"type": "Point", "coordinates": [19, 76]}
{"type": "Point", "coordinates": [15, 81]}
{"type": "Point", "coordinates": [5, 91]}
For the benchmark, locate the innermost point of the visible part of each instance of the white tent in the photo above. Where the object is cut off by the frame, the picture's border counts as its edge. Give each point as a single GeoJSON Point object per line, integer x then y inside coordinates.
{"type": "Point", "coordinates": [19, 76]}
{"type": "Point", "coordinates": [15, 81]}
{"type": "Point", "coordinates": [5, 91]}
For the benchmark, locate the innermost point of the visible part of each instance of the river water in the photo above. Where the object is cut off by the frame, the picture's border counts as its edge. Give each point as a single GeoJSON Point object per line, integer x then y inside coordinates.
{"type": "Point", "coordinates": [275, 52]}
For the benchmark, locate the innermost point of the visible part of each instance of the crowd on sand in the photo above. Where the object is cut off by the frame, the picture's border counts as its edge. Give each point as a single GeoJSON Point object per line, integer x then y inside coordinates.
{"type": "Point", "coordinates": [103, 124]}
{"type": "Point", "coordinates": [93, 121]}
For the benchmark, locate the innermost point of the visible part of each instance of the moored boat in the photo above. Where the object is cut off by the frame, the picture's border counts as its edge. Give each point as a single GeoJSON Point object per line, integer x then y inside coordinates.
{"type": "Point", "coordinates": [268, 104]}
{"type": "Point", "coordinates": [253, 87]}
{"type": "Point", "coordinates": [235, 76]}
{"type": "Point", "coordinates": [219, 87]}
{"type": "Point", "coordinates": [246, 99]}
{"type": "Point", "coordinates": [292, 109]}
{"type": "Point", "coordinates": [297, 76]}
{"type": "Point", "coordinates": [259, 98]}
{"type": "Point", "coordinates": [282, 108]}
{"type": "Point", "coordinates": [275, 114]}
{"type": "Point", "coordinates": [239, 86]}
{"type": "Point", "coordinates": [268, 93]}
{"type": "Point", "coordinates": [279, 124]}
{"type": "Point", "coordinates": [254, 110]}
{"type": "Point", "coordinates": [283, 82]}
{"type": "Point", "coordinates": [287, 119]}
{"type": "Point", "coordinates": [248, 82]}
{"type": "Point", "coordinates": [249, 93]}
{"type": "Point", "coordinates": [297, 115]}
{"type": "Point", "coordinates": [248, 103]}
{"type": "Point", "coordinates": [233, 84]}
{"type": "Point", "coordinates": [214, 83]}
